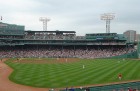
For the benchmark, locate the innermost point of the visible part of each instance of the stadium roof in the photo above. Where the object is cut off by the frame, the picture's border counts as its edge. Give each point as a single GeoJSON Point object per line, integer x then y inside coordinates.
{"type": "Point", "coordinates": [52, 31]}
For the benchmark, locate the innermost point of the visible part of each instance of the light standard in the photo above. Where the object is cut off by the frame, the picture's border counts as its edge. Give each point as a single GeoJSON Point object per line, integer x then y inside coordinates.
{"type": "Point", "coordinates": [107, 17]}
{"type": "Point", "coordinates": [45, 21]}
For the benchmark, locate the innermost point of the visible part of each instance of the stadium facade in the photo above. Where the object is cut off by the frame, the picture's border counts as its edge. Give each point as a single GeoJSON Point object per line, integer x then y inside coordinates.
{"type": "Point", "coordinates": [16, 42]}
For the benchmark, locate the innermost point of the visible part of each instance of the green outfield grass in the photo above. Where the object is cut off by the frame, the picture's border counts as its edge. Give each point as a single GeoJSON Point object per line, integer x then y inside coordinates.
{"type": "Point", "coordinates": [96, 71]}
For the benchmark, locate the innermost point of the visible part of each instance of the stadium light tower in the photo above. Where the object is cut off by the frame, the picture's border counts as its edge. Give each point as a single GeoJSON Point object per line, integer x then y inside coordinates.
{"type": "Point", "coordinates": [45, 21]}
{"type": "Point", "coordinates": [107, 17]}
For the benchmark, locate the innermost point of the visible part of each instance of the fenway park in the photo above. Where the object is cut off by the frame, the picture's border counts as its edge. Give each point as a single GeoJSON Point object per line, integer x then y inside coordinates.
{"type": "Point", "coordinates": [62, 61]}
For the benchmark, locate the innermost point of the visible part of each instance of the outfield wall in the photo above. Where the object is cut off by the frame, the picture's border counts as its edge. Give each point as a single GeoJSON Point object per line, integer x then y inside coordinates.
{"type": "Point", "coordinates": [129, 55]}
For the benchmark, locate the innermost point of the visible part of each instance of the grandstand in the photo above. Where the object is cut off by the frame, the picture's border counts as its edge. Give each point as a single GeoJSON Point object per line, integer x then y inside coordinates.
{"type": "Point", "coordinates": [11, 30]}
{"type": "Point", "coordinates": [62, 43]}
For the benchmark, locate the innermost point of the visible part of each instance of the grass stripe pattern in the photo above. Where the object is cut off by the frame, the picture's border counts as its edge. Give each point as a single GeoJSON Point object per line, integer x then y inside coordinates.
{"type": "Point", "coordinates": [96, 71]}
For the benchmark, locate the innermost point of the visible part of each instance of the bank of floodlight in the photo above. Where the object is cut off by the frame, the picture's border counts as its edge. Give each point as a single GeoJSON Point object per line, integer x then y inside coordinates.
{"type": "Point", "coordinates": [107, 17]}
{"type": "Point", "coordinates": [45, 20]}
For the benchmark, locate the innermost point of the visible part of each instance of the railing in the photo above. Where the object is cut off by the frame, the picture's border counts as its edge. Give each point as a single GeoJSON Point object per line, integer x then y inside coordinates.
{"type": "Point", "coordinates": [134, 86]}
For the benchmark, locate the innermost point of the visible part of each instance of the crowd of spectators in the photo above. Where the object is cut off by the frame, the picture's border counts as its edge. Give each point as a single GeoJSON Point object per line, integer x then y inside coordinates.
{"type": "Point", "coordinates": [42, 36]}
{"type": "Point", "coordinates": [99, 89]}
{"type": "Point", "coordinates": [64, 51]}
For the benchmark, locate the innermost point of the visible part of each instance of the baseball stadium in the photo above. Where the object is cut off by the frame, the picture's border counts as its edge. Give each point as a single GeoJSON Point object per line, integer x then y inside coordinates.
{"type": "Point", "coordinates": [62, 61]}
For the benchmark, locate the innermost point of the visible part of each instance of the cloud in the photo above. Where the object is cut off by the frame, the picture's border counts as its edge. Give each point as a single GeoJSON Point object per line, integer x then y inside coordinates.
{"type": "Point", "coordinates": [82, 16]}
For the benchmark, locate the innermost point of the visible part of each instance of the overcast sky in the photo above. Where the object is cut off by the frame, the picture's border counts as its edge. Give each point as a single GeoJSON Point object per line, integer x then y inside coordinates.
{"type": "Point", "coordinates": [82, 16]}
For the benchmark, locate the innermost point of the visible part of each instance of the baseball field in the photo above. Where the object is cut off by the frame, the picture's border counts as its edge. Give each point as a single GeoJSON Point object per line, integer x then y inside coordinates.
{"type": "Point", "coordinates": [67, 72]}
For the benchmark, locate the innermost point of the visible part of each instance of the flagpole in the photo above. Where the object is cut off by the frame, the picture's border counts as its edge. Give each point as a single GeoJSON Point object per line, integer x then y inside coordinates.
{"type": "Point", "coordinates": [1, 18]}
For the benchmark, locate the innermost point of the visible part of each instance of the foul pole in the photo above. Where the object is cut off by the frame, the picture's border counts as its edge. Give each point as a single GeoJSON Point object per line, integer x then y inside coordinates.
{"type": "Point", "coordinates": [138, 45]}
